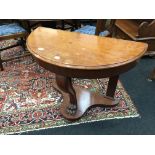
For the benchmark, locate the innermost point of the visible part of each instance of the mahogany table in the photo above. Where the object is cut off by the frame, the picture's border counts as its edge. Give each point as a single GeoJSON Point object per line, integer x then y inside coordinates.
{"type": "Point", "coordinates": [74, 55]}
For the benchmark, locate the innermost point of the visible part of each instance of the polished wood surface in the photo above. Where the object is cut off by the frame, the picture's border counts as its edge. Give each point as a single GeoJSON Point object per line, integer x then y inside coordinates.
{"type": "Point", "coordinates": [77, 101]}
{"type": "Point", "coordinates": [13, 36]}
{"type": "Point", "coordinates": [137, 30]}
{"type": "Point", "coordinates": [129, 27]}
{"type": "Point", "coordinates": [75, 50]}
{"type": "Point", "coordinates": [85, 101]}
{"type": "Point", "coordinates": [70, 54]}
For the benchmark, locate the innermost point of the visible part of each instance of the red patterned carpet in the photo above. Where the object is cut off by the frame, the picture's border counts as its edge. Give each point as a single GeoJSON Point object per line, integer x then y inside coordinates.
{"type": "Point", "coordinates": [28, 101]}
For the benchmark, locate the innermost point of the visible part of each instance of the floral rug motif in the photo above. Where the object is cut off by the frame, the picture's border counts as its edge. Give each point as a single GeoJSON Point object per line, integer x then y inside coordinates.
{"type": "Point", "coordinates": [28, 101]}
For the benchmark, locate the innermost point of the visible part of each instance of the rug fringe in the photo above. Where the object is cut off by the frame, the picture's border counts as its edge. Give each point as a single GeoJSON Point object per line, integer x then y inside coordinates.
{"type": "Point", "coordinates": [77, 123]}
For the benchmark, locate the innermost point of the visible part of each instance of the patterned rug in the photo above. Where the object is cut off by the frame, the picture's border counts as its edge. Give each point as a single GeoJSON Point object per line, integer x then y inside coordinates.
{"type": "Point", "coordinates": [28, 101]}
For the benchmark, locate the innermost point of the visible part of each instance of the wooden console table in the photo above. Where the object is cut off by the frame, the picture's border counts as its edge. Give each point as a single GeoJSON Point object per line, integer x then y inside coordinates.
{"type": "Point", "coordinates": [74, 55]}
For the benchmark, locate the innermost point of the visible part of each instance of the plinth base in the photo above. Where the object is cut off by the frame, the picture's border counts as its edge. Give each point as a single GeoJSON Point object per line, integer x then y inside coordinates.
{"type": "Point", "coordinates": [86, 100]}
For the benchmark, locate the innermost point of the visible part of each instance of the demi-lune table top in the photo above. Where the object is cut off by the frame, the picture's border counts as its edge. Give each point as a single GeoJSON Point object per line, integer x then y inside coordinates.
{"type": "Point", "coordinates": [82, 51]}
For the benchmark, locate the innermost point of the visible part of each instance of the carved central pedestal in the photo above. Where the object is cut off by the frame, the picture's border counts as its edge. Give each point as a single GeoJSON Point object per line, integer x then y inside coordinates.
{"type": "Point", "coordinates": [77, 101]}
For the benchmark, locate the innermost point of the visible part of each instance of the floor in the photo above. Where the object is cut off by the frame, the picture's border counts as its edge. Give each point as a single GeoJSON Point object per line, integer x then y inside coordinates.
{"type": "Point", "coordinates": [142, 93]}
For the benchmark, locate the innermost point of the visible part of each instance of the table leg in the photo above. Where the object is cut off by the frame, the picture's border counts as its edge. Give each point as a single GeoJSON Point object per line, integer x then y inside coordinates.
{"type": "Point", "coordinates": [1, 63]}
{"type": "Point", "coordinates": [76, 101]}
{"type": "Point", "coordinates": [112, 86]}
{"type": "Point", "coordinates": [65, 84]}
{"type": "Point", "coordinates": [152, 75]}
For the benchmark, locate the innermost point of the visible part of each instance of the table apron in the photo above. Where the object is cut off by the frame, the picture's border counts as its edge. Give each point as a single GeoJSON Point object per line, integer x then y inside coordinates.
{"type": "Point", "coordinates": [84, 73]}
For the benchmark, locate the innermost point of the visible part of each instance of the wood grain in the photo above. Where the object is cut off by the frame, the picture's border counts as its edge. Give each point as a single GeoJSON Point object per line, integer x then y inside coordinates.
{"type": "Point", "coordinates": [70, 54]}
{"type": "Point", "coordinates": [75, 50]}
{"type": "Point", "coordinates": [129, 27]}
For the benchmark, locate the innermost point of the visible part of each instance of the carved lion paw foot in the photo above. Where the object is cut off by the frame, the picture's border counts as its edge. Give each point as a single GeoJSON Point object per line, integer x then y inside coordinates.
{"type": "Point", "coordinates": [71, 109]}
